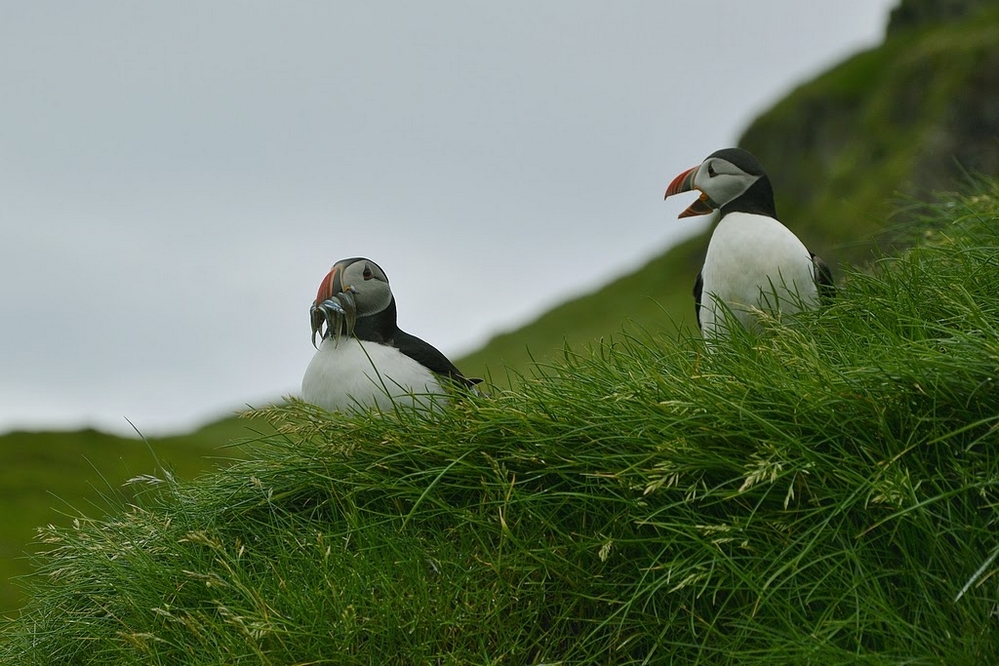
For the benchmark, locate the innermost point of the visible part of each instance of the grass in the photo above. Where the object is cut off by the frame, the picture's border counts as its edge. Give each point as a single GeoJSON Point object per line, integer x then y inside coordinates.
{"type": "Point", "coordinates": [823, 493]}
{"type": "Point", "coordinates": [51, 477]}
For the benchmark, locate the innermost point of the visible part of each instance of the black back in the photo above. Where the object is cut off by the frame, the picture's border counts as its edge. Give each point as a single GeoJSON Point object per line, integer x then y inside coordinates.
{"type": "Point", "coordinates": [381, 327]}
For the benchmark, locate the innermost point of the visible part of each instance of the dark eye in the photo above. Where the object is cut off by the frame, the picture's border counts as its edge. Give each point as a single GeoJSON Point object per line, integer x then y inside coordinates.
{"type": "Point", "coordinates": [367, 273]}
{"type": "Point", "coordinates": [711, 171]}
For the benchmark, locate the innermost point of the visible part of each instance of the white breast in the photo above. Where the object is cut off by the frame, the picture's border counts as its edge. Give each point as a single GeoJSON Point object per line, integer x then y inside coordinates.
{"type": "Point", "coordinates": [353, 375]}
{"type": "Point", "coordinates": [754, 263]}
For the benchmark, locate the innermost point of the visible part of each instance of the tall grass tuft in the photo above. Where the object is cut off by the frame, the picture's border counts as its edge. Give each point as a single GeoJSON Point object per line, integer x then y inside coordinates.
{"type": "Point", "coordinates": [822, 493]}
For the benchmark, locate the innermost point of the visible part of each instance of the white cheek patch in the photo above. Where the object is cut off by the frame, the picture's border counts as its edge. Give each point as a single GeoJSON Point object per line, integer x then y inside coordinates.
{"type": "Point", "coordinates": [724, 187]}
{"type": "Point", "coordinates": [381, 296]}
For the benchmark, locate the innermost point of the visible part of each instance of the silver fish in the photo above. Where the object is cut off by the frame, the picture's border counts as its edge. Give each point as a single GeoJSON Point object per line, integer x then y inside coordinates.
{"type": "Point", "coordinates": [335, 316]}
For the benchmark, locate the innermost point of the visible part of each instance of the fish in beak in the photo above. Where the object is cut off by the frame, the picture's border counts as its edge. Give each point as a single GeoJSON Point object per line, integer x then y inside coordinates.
{"type": "Point", "coordinates": [685, 183]}
{"type": "Point", "coordinates": [334, 312]}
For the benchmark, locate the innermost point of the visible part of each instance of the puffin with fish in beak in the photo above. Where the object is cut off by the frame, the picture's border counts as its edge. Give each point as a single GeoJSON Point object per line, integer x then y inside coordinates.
{"type": "Point", "coordinates": [364, 359]}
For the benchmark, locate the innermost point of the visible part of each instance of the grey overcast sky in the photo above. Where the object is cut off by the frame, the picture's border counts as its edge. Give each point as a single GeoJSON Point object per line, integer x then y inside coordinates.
{"type": "Point", "coordinates": [177, 177]}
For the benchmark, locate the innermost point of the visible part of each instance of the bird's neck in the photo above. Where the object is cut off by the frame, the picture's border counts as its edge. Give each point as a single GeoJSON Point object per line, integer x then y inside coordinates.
{"type": "Point", "coordinates": [758, 200]}
{"type": "Point", "coordinates": [378, 327]}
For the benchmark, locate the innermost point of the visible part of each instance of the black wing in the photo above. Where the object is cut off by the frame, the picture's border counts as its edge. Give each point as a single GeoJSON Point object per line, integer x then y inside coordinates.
{"type": "Point", "coordinates": [698, 289]}
{"type": "Point", "coordinates": [823, 278]}
{"type": "Point", "coordinates": [429, 356]}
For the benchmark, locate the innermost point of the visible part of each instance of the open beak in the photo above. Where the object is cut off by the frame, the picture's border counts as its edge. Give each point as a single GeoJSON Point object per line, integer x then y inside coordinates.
{"type": "Point", "coordinates": [334, 312]}
{"type": "Point", "coordinates": [685, 183]}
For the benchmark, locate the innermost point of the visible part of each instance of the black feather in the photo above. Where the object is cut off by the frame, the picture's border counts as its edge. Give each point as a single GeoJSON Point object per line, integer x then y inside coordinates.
{"type": "Point", "coordinates": [698, 289]}
{"type": "Point", "coordinates": [429, 356]}
{"type": "Point", "coordinates": [381, 327]}
{"type": "Point", "coordinates": [823, 278]}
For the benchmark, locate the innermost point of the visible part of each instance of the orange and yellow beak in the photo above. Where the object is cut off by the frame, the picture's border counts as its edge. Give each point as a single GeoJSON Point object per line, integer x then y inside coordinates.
{"type": "Point", "coordinates": [330, 286]}
{"type": "Point", "coordinates": [334, 312]}
{"type": "Point", "coordinates": [685, 183]}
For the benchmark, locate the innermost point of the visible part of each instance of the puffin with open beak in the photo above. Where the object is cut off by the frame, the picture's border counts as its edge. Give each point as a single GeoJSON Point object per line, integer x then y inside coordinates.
{"type": "Point", "coordinates": [753, 263]}
{"type": "Point", "coordinates": [363, 359]}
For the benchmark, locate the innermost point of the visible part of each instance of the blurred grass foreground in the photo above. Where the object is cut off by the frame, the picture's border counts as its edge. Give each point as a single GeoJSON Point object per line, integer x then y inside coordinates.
{"type": "Point", "coordinates": [823, 493]}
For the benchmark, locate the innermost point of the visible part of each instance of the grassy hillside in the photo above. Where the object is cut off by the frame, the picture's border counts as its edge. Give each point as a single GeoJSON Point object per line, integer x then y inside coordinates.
{"type": "Point", "coordinates": [50, 477]}
{"type": "Point", "coordinates": [901, 120]}
{"type": "Point", "coordinates": [895, 123]}
{"type": "Point", "coordinates": [825, 493]}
